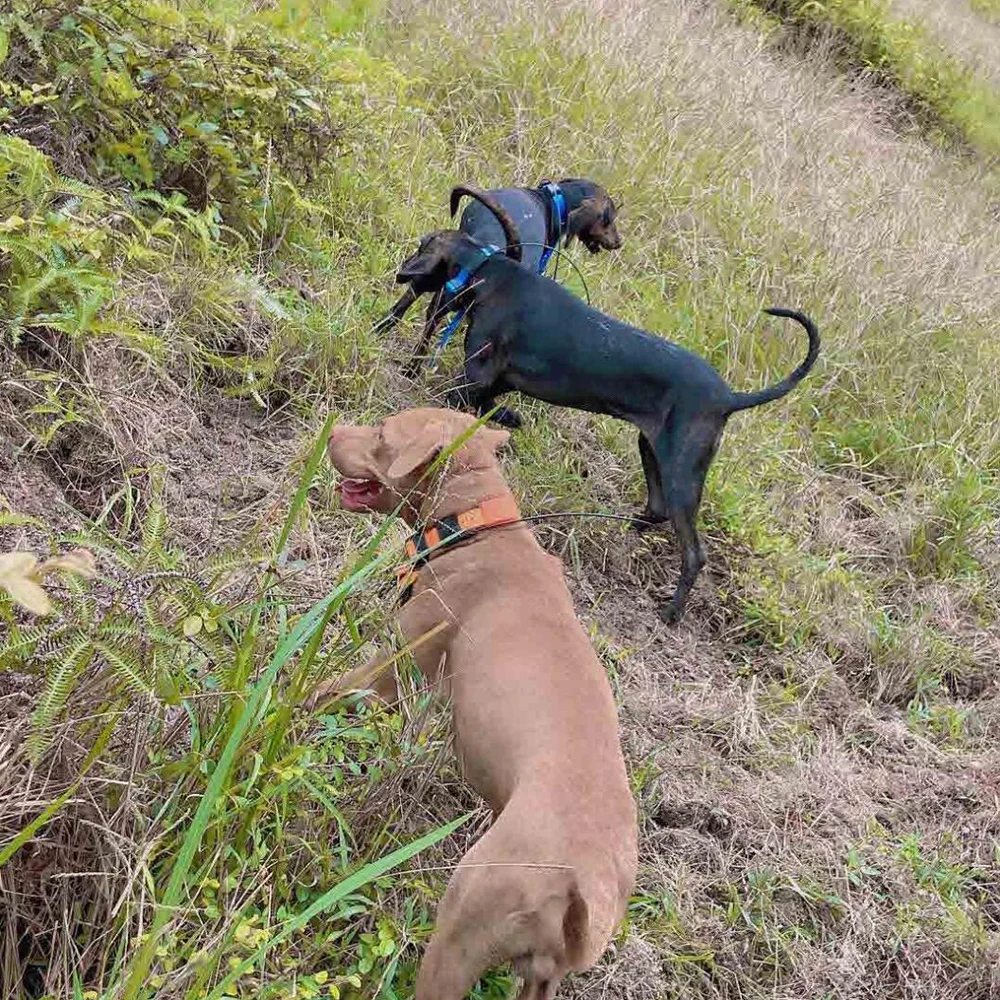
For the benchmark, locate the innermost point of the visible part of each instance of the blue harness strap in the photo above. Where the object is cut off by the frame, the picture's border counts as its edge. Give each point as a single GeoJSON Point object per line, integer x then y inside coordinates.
{"type": "Point", "coordinates": [561, 217]}
{"type": "Point", "coordinates": [457, 284]}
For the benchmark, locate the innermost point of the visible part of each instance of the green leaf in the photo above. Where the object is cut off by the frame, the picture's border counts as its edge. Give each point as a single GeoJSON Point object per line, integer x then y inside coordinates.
{"type": "Point", "coordinates": [4, 44]}
{"type": "Point", "coordinates": [360, 878]}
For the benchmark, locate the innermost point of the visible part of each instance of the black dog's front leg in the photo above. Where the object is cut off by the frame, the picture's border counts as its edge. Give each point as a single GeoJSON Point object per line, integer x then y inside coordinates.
{"type": "Point", "coordinates": [397, 312]}
{"type": "Point", "coordinates": [482, 383]}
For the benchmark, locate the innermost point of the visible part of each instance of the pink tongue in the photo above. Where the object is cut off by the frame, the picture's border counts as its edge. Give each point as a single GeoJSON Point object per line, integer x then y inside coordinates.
{"type": "Point", "coordinates": [359, 494]}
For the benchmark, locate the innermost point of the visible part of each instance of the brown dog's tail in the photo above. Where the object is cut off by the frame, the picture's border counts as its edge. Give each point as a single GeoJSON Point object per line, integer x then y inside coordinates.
{"type": "Point", "coordinates": [513, 249]}
{"type": "Point", "coordinates": [746, 400]}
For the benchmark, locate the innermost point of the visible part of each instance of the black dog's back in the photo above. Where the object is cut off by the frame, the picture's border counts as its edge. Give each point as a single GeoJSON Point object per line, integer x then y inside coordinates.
{"type": "Point", "coordinates": [529, 215]}
{"type": "Point", "coordinates": [563, 351]}
{"type": "Point", "coordinates": [528, 333]}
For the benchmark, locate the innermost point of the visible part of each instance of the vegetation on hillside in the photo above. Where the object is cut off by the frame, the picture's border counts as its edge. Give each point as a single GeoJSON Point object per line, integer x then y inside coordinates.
{"type": "Point", "coordinates": [899, 53]}
{"type": "Point", "coordinates": [202, 206]}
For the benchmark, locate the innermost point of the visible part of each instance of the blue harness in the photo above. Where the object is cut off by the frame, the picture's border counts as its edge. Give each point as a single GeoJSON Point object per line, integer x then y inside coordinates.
{"type": "Point", "coordinates": [561, 217]}
{"type": "Point", "coordinates": [461, 280]}
{"type": "Point", "coordinates": [457, 284]}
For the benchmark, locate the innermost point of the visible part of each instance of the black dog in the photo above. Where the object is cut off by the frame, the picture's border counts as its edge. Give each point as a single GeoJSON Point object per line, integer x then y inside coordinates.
{"type": "Point", "coordinates": [528, 333]}
{"type": "Point", "coordinates": [543, 216]}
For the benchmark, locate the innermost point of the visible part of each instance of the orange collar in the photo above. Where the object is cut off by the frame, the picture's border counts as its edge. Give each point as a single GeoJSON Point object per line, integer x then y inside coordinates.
{"type": "Point", "coordinates": [444, 532]}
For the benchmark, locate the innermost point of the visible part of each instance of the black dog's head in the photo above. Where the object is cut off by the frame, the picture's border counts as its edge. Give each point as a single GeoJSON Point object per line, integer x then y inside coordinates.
{"type": "Point", "coordinates": [592, 222]}
{"type": "Point", "coordinates": [439, 256]}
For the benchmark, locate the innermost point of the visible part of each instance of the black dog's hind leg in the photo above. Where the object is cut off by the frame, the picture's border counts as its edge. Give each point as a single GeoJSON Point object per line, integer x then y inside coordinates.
{"type": "Point", "coordinates": [684, 450]}
{"type": "Point", "coordinates": [432, 319]}
{"type": "Point", "coordinates": [656, 507]}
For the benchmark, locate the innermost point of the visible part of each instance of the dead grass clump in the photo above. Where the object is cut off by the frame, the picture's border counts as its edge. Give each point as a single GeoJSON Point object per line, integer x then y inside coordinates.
{"type": "Point", "coordinates": [62, 893]}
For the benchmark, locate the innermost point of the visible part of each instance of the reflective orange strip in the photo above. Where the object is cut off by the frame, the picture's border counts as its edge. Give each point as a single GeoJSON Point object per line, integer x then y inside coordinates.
{"type": "Point", "coordinates": [471, 519]}
{"type": "Point", "coordinates": [500, 510]}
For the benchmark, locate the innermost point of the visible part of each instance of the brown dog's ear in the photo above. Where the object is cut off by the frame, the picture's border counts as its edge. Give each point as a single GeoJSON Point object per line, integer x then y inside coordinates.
{"type": "Point", "coordinates": [585, 215]}
{"type": "Point", "coordinates": [420, 450]}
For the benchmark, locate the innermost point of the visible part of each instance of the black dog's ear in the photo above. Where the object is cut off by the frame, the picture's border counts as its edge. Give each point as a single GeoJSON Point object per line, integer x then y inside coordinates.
{"type": "Point", "coordinates": [421, 266]}
{"type": "Point", "coordinates": [588, 213]}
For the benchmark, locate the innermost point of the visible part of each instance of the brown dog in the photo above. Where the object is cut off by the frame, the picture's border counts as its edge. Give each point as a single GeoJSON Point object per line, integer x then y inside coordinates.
{"type": "Point", "coordinates": [534, 719]}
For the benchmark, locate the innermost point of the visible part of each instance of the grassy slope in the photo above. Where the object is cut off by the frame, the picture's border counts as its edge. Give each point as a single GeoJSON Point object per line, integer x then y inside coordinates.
{"type": "Point", "coordinates": [969, 32]}
{"type": "Point", "coordinates": [811, 747]}
{"type": "Point", "coordinates": [940, 85]}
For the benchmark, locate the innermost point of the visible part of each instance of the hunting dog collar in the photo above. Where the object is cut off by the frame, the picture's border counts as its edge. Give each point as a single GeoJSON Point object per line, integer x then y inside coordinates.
{"type": "Point", "coordinates": [443, 533]}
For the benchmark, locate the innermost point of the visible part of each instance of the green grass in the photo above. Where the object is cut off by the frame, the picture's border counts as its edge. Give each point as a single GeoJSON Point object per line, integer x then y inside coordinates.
{"type": "Point", "coordinates": [988, 8]}
{"type": "Point", "coordinates": [837, 664]}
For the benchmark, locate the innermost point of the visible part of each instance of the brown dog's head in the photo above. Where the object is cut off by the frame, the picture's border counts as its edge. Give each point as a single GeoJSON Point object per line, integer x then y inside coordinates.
{"type": "Point", "coordinates": [384, 464]}
{"type": "Point", "coordinates": [592, 222]}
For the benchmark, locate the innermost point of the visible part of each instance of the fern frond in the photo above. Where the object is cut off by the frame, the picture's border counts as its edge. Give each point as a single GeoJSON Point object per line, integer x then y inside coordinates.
{"type": "Point", "coordinates": [126, 667]}
{"type": "Point", "coordinates": [27, 254]}
{"type": "Point", "coordinates": [22, 639]}
{"type": "Point", "coordinates": [153, 530]}
{"type": "Point", "coordinates": [11, 519]}
{"type": "Point", "coordinates": [229, 562]}
{"type": "Point", "coordinates": [33, 36]}
{"type": "Point", "coordinates": [67, 185]}
{"type": "Point", "coordinates": [149, 611]}
{"type": "Point", "coordinates": [62, 679]}
{"type": "Point", "coordinates": [210, 646]}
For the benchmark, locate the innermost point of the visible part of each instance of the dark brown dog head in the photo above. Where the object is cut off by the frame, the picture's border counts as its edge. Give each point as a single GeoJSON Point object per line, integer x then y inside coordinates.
{"type": "Point", "coordinates": [592, 221]}
{"type": "Point", "coordinates": [385, 464]}
{"type": "Point", "coordinates": [439, 257]}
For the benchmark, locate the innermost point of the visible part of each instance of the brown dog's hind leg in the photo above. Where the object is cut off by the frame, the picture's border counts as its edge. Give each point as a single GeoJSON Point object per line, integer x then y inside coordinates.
{"type": "Point", "coordinates": [376, 675]}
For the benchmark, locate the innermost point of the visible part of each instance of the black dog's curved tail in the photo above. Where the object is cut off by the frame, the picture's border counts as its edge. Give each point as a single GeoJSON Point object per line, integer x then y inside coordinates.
{"type": "Point", "coordinates": [746, 400]}
{"type": "Point", "coordinates": [513, 248]}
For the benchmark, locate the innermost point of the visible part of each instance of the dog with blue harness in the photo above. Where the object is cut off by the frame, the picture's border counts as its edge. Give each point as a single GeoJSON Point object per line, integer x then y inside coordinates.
{"type": "Point", "coordinates": [537, 220]}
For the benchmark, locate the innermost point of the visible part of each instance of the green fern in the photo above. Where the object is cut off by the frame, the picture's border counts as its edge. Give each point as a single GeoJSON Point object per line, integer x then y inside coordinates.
{"type": "Point", "coordinates": [61, 681]}
{"type": "Point", "coordinates": [23, 640]}
{"type": "Point", "coordinates": [126, 668]}
{"type": "Point", "coordinates": [11, 519]}
{"type": "Point", "coordinates": [151, 546]}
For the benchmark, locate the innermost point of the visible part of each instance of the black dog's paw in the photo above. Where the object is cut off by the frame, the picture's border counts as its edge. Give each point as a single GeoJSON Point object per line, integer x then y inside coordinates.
{"type": "Point", "coordinates": [642, 522]}
{"type": "Point", "coordinates": [507, 417]}
{"type": "Point", "coordinates": [456, 399]}
{"type": "Point", "coordinates": [670, 613]}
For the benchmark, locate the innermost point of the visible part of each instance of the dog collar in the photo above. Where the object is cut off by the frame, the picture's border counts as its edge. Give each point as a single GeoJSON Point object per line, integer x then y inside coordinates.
{"type": "Point", "coordinates": [561, 218]}
{"type": "Point", "coordinates": [422, 546]}
{"type": "Point", "coordinates": [461, 279]}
